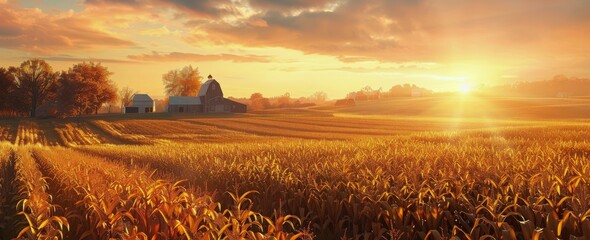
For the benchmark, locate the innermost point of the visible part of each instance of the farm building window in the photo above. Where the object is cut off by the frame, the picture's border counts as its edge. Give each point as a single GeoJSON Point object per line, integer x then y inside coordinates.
{"type": "Point", "coordinates": [180, 109]}
{"type": "Point", "coordinates": [131, 110]}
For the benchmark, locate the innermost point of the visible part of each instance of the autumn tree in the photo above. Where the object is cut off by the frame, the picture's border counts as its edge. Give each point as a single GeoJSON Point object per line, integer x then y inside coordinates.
{"type": "Point", "coordinates": [161, 104]}
{"type": "Point", "coordinates": [258, 102]}
{"type": "Point", "coordinates": [319, 97]}
{"type": "Point", "coordinates": [7, 92]}
{"type": "Point", "coordinates": [185, 82]}
{"type": "Point", "coordinates": [35, 83]}
{"type": "Point", "coordinates": [86, 87]}
{"type": "Point", "coordinates": [125, 95]}
{"type": "Point", "coordinates": [284, 100]}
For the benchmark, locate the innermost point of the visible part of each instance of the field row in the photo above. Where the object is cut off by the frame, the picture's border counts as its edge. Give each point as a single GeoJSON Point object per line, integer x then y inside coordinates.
{"type": "Point", "coordinates": [239, 129]}
{"type": "Point", "coordinates": [221, 130]}
{"type": "Point", "coordinates": [510, 183]}
{"type": "Point", "coordinates": [62, 194]}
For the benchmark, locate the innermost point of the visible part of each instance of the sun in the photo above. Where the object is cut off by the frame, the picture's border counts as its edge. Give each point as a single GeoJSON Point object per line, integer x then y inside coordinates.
{"type": "Point", "coordinates": [465, 88]}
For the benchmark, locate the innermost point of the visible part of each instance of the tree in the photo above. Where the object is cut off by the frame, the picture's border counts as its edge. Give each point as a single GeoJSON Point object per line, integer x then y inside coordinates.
{"type": "Point", "coordinates": [319, 97]}
{"type": "Point", "coordinates": [258, 102]}
{"type": "Point", "coordinates": [7, 92]}
{"type": "Point", "coordinates": [161, 104]}
{"type": "Point", "coordinates": [185, 82]}
{"type": "Point", "coordinates": [34, 81]}
{"type": "Point", "coordinates": [125, 95]}
{"type": "Point", "coordinates": [284, 100]}
{"type": "Point", "coordinates": [86, 87]}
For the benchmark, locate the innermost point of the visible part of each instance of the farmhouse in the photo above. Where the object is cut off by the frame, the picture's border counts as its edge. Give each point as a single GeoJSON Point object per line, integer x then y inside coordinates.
{"type": "Point", "coordinates": [210, 99]}
{"type": "Point", "coordinates": [140, 103]}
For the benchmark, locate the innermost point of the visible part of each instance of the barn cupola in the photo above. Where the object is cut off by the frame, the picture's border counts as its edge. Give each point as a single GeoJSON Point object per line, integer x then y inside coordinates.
{"type": "Point", "coordinates": [210, 77]}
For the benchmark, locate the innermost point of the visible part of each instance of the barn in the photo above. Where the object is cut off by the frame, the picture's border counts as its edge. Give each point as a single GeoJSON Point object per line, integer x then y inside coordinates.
{"type": "Point", "coordinates": [140, 103]}
{"type": "Point", "coordinates": [209, 100]}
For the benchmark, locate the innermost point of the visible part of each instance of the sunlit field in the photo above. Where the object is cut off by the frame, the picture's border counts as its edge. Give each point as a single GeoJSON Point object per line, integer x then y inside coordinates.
{"type": "Point", "coordinates": [454, 168]}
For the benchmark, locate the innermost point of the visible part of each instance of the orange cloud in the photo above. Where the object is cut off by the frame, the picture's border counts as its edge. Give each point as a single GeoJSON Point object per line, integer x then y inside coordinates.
{"type": "Point", "coordinates": [35, 31]}
{"type": "Point", "coordinates": [352, 30]}
{"type": "Point", "coordinates": [178, 56]}
{"type": "Point", "coordinates": [201, 8]}
{"type": "Point", "coordinates": [392, 31]}
{"type": "Point", "coordinates": [67, 58]}
{"type": "Point", "coordinates": [504, 32]}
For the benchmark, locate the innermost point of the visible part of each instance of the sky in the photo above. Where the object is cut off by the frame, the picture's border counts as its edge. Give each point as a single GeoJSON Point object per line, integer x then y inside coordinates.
{"type": "Point", "coordinates": [305, 46]}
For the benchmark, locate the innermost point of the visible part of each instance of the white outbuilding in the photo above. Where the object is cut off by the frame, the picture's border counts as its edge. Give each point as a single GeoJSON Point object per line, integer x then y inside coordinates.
{"type": "Point", "coordinates": [141, 103]}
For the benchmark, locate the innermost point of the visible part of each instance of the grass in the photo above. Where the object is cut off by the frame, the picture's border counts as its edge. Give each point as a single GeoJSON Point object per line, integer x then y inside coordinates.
{"type": "Point", "coordinates": [307, 174]}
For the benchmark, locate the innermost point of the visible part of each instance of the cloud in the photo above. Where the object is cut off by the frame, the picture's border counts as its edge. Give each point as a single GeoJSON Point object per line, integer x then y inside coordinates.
{"type": "Point", "coordinates": [178, 56]}
{"type": "Point", "coordinates": [34, 31]}
{"type": "Point", "coordinates": [421, 30]}
{"type": "Point", "coordinates": [67, 58]}
{"type": "Point", "coordinates": [350, 30]}
{"type": "Point", "coordinates": [388, 68]}
{"type": "Point", "coordinates": [201, 8]}
{"type": "Point", "coordinates": [162, 31]}
{"type": "Point", "coordinates": [287, 5]}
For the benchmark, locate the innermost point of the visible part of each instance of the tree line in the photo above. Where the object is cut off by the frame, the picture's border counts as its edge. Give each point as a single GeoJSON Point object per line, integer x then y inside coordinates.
{"type": "Point", "coordinates": [86, 87]}
{"type": "Point", "coordinates": [558, 86]}
{"type": "Point", "coordinates": [400, 90]}
{"type": "Point", "coordinates": [258, 101]}
{"type": "Point", "coordinates": [83, 89]}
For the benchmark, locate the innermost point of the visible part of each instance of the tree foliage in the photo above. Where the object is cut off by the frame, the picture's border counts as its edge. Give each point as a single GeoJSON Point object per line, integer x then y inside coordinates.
{"type": "Point", "coordinates": [84, 88]}
{"type": "Point", "coordinates": [125, 95]}
{"type": "Point", "coordinates": [558, 86]}
{"type": "Point", "coordinates": [284, 100]}
{"type": "Point", "coordinates": [319, 97]}
{"type": "Point", "coordinates": [7, 88]}
{"type": "Point", "coordinates": [258, 102]}
{"type": "Point", "coordinates": [185, 82]}
{"type": "Point", "coordinates": [35, 83]}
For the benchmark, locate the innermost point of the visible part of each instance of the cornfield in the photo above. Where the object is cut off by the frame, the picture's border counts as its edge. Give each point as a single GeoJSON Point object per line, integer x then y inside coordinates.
{"type": "Point", "coordinates": [304, 177]}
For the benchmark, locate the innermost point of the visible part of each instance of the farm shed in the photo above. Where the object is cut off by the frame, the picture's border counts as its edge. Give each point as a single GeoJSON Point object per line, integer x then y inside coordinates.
{"type": "Point", "coordinates": [181, 104]}
{"type": "Point", "coordinates": [210, 99]}
{"type": "Point", "coordinates": [140, 103]}
{"type": "Point", "coordinates": [234, 106]}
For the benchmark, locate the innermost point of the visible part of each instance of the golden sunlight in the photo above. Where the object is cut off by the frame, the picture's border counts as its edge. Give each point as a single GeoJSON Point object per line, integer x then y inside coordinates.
{"type": "Point", "coordinates": [465, 88]}
{"type": "Point", "coordinates": [294, 119]}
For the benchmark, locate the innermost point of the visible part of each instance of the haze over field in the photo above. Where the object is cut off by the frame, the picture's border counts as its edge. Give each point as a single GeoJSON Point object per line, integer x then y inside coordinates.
{"type": "Point", "coordinates": [305, 46]}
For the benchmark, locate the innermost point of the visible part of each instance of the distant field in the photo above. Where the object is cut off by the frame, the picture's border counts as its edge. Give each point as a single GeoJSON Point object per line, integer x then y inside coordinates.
{"type": "Point", "coordinates": [473, 107]}
{"type": "Point", "coordinates": [412, 169]}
